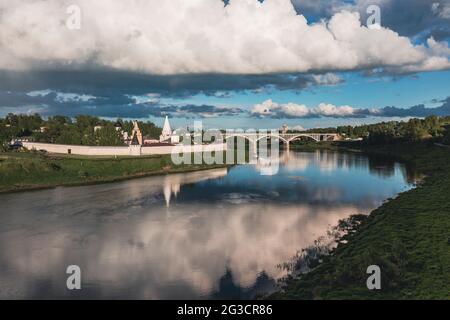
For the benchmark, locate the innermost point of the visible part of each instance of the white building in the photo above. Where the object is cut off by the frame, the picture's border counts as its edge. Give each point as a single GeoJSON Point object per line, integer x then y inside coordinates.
{"type": "Point", "coordinates": [167, 134]}
{"type": "Point", "coordinates": [166, 131]}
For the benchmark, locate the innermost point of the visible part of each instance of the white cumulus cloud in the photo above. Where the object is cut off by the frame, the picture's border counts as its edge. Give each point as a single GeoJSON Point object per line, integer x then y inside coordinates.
{"type": "Point", "coordinates": [297, 128]}
{"type": "Point", "coordinates": [198, 36]}
{"type": "Point", "coordinates": [327, 79]}
{"type": "Point", "coordinates": [292, 110]}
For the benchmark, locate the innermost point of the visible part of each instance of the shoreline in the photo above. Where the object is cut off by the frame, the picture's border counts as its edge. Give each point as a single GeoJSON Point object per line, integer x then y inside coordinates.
{"type": "Point", "coordinates": [158, 172]}
{"type": "Point", "coordinates": [396, 236]}
{"type": "Point", "coordinates": [159, 168]}
{"type": "Point", "coordinates": [112, 180]}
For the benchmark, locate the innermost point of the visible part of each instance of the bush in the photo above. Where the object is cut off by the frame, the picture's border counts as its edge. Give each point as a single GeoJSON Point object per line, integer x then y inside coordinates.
{"type": "Point", "coordinates": [3, 147]}
{"type": "Point", "coordinates": [446, 138]}
{"type": "Point", "coordinates": [83, 174]}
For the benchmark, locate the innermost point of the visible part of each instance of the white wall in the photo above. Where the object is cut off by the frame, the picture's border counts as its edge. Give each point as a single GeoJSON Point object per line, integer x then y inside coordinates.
{"type": "Point", "coordinates": [184, 149]}
{"type": "Point", "coordinates": [120, 151]}
{"type": "Point", "coordinates": [78, 150]}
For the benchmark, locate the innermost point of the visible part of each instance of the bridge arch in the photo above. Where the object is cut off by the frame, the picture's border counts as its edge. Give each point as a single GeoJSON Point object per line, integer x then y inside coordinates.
{"type": "Point", "coordinates": [298, 137]}
{"type": "Point", "coordinates": [273, 136]}
{"type": "Point", "coordinates": [239, 135]}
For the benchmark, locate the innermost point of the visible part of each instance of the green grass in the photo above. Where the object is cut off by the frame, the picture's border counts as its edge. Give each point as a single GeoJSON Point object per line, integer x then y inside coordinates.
{"type": "Point", "coordinates": [313, 146]}
{"type": "Point", "coordinates": [27, 170]}
{"type": "Point", "coordinates": [408, 237]}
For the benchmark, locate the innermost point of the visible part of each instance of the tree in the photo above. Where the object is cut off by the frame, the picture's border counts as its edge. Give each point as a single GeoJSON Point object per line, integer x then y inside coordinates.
{"type": "Point", "coordinates": [59, 120]}
{"type": "Point", "coordinates": [433, 124]}
{"type": "Point", "coordinates": [108, 136]}
{"type": "Point", "coordinates": [414, 131]}
{"type": "Point", "coordinates": [150, 129]}
{"type": "Point", "coordinates": [84, 122]}
{"type": "Point", "coordinates": [71, 135]}
{"type": "Point", "coordinates": [381, 134]}
{"type": "Point", "coordinates": [446, 138]}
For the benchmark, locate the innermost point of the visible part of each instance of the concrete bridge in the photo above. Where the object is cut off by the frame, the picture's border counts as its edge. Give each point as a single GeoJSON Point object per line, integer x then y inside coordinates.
{"type": "Point", "coordinates": [287, 138]}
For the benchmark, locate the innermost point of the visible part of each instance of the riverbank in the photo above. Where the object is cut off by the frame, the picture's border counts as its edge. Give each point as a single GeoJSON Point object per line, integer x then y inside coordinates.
{"type": "Point", "coordinates": [408, 237]}
{"type": "Point", "coordinates": [20, 171]}
{"type": "Point", "coordinates": [310, 146]}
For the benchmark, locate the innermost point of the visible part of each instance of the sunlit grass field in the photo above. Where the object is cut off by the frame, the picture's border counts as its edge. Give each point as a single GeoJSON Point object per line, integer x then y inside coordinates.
{"type": "Point", "coordinates": [28, 170]}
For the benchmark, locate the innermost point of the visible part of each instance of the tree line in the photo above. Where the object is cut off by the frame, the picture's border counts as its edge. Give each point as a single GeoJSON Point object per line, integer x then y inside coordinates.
{"type": "Point", "coordinates": [432, 127]}
{"type": "Point", "coordinates": [81, 130]}
{"type": "Point", "coordinates": [64, 130]}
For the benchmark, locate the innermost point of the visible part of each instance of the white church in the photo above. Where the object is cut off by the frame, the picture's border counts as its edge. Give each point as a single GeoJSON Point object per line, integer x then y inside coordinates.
{"type": "Point", "coordinates": [168, 135]}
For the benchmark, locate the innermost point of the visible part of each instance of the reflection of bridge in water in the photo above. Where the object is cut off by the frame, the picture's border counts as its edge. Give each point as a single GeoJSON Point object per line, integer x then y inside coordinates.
{"type": "Point", "coordinates": [287, 138]}
{"type": "Point", "coordinates": [329, 161]}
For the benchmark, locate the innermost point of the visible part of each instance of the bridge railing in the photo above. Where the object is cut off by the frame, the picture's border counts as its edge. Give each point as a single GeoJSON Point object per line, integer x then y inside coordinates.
{"type": "Point", "coordinates": [287, 137]}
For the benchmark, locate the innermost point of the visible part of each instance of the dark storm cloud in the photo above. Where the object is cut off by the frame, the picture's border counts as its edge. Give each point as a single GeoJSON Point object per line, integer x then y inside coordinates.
{"type": "Point", "coordinates": [115, 105]}
{"type": "Point", "coordinates": [417, 111]}
{"type": "Point", "coordinates": [315, 10]}
{"type": "Point", "coordinates": [110, 83]}
{"type": "Point", "coordinates": [110, 94]}
{"type": "Point", "coordinates": [203, 110]}
{"type": "Point", "coordinates": [139, 111]}
{"type": "Point", "coordinates": [415, 18]}
{"type": "Point", "coordinates": [18, 99]}
{"type": "Point", "coordinates": [411, 18]}
{"type": "Point", "coordinates": [109, 111]}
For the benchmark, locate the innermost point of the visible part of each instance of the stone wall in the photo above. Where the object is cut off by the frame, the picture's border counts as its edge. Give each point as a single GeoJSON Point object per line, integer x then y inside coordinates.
{"type": "Point", "coordinates": [185, 149]}
{"type": "Point", "coordinates": [120, 151]}
{"type": "Point", "coordinates": [78, 150]}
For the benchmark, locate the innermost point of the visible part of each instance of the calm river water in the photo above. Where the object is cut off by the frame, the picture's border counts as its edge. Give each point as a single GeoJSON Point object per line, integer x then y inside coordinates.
{"type": "Point", "coordinates": [210, 234]}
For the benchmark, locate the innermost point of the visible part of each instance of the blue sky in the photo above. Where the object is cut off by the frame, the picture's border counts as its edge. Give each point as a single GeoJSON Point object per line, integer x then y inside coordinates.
{"type": "Point", "coordinates": [428, 88]}
{"type": "Point", "coordinates": [361, 91]}
{"type": "Point", "coordinates": [238, 64]}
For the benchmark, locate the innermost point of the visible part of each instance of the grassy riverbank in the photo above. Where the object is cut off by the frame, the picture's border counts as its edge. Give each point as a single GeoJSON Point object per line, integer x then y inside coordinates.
{"type": "Point", "coordinates": [27, 171]}
{"type": "Point", "coordinates": [408, 237]}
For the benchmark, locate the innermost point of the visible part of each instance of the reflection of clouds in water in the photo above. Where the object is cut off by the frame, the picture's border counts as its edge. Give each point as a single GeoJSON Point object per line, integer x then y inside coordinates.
{"type": "Point", "coordinates": [329, 194]}
{"type": "Point", "coordinates": [241, 198]}
{"type": "Point", "coordinates": [296, 163]}
{"type": "Point", "coordinates": [145, 254]}
{"type": "Point", "coordinates": [326, 161]}
{"type": "Point", "coordinates": [131, 244]}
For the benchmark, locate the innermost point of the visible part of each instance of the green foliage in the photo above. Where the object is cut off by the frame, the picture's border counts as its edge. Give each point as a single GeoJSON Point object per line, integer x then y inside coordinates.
{"type": "Point", "coordinates": [446, 138]}
{"type": "Point", "coordinates": [13, 126]}
{"type": "Point", "coordinates": [393, 131]}
{"type": "Point", "coordinates": [108, 136]}
{"type": "Point", "coordinates": [413, 130]}
{"type": "Point", "coordinates": [70, 135]}
{"type": "Point", "coordinates": [86, 122]}
{"type": "Point", "coordinates": [29, 170]}
{"type": "Point", "coordinates": [408, 237]}
{"type": "Point", "coordinates": [64, 130]}
{"type": "Point", "coordinates": [149, 129]}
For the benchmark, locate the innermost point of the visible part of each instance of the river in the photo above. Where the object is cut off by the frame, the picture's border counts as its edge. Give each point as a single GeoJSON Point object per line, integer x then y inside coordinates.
{"type": "Point", "coordinates": [209, 234]}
